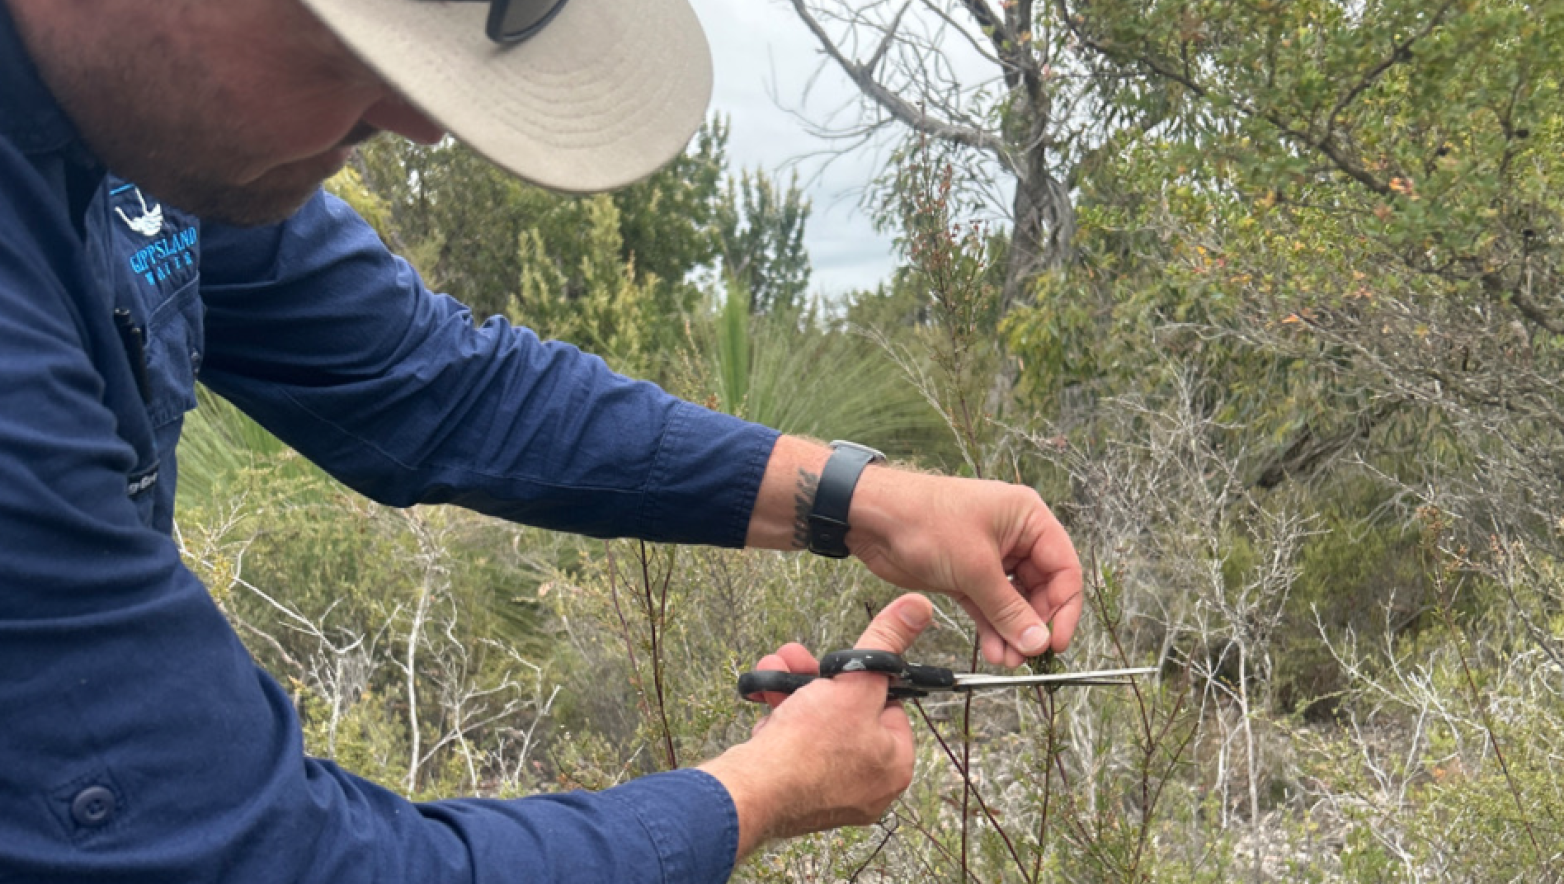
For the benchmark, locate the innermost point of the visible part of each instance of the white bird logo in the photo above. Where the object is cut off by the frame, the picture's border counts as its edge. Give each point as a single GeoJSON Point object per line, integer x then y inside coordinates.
{"type": "Point", "coordinates": [150, 223]}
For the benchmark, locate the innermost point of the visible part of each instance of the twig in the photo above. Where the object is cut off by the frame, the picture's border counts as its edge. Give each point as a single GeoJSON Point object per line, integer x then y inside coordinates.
{"type": "Point", "coordinates": [656, 614]}
{"type": "Point", "coordinates": [969, 789]}
{"type": "Point", "coordinates": [1482, 711]}
{"type": "Point", "coordinates": [890, 831]}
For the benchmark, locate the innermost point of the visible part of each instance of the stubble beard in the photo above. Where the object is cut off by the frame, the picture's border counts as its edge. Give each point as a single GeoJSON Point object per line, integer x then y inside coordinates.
{"type": "Point", "coordinates": [268, 199]}
{"type": "Point", "coordinates": [183, 153]}
{"type": "Point", "coordinates": [189, 177]}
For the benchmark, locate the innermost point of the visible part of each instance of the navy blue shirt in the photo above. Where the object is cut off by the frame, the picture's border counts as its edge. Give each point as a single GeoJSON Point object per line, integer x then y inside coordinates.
{"type": "Point", "coordinates": [138, 740]}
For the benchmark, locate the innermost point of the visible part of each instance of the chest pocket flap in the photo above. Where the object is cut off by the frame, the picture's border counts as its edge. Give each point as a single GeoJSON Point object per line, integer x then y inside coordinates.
{"type": "Point", "coordinates": [153, 257]}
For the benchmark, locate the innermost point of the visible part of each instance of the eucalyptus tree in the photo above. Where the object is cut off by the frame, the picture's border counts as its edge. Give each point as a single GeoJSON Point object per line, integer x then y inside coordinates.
{"type": "Point", "coordinates": [1377, 189]}
{"type": "Point", "coordinates": [995, 86]}
{"type": "Point", "coordinates": [1408, 146]}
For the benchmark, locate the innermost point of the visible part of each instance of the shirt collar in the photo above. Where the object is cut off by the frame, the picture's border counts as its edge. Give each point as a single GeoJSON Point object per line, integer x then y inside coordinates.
{"type": "Point", "coordinates": [30, 118]}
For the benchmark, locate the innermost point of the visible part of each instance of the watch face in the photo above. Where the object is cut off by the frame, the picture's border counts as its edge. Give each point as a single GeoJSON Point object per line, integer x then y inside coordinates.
{"type": "Point", "coordinates": [874, 455]}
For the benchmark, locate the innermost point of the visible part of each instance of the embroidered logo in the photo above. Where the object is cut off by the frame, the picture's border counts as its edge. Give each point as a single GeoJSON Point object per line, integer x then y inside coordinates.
{"type": "Point", "coordinates": [173, 250]}
{"type": "Point", "coordinates": [150, 223]}
{"type": "Point", "coordinates": [141, 483]}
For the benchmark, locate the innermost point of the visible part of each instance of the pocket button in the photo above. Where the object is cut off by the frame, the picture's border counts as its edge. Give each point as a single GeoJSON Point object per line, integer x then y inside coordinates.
{"type": "Point", "coordinates": [93, 806]}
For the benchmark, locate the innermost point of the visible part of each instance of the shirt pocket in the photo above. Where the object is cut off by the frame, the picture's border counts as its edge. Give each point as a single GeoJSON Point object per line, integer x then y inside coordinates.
{"type": "Point", "coordinates": [152, 255]}
{"type": "Point", "coordinates": [175, 343]}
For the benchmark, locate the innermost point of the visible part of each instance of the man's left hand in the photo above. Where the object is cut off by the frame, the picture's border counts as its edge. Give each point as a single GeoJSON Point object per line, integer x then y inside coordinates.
{"type": "Point", "coordinates": [994, 547]}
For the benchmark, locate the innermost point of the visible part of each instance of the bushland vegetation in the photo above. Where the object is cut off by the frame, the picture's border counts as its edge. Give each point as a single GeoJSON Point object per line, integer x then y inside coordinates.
{"type": "Point", "coordinates": [1273, 320]}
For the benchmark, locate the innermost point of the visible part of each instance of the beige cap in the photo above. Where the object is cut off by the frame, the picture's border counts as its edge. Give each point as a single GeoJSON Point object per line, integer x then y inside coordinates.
{"type": "Point", "coordinates": [602, 96]}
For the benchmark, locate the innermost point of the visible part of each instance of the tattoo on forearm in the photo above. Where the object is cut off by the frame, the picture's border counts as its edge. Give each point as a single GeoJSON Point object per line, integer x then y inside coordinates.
{"type": "Point", "coordinates": [803, 502]}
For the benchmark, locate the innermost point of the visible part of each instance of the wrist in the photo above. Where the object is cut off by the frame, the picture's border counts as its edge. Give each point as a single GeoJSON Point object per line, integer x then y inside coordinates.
{"type": "Point", "coordinates": [787, 492]}
{"type": "Point", "coordinates": [761, 800]}
{"type": "Point", "coordinates": [829, 519]}
{"type": "Point", "coordinates": [876, 512]}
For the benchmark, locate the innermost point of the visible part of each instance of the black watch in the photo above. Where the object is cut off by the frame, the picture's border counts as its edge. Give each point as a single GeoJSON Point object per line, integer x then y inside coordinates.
{"type": "Point", "coordinates": [834, 496]}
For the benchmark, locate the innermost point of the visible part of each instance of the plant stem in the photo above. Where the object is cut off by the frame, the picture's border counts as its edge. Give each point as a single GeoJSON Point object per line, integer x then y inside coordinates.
{"type": "Point", "coordinates": [656, 614]}
{"type": "Point", "coordinates": [1482, 711]}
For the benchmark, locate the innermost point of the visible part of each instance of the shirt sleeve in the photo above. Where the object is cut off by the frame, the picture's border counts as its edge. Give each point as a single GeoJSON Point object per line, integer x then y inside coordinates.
{"type": "Point", "coordinates": [335, 345]}
{"type": "Point", "coordinates": [139, 743]}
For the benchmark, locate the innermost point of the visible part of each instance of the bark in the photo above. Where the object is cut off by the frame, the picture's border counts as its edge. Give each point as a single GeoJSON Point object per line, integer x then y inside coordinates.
{"type": "Point", "coordinates": [1309, 452]}
{"type": "Point", "coordinates": [1042, 214]}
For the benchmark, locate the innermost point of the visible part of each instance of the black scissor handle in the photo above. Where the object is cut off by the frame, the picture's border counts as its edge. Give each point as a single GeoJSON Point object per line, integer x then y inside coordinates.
{"type": "Point", "coordinates": [908, 680]}
{"type": "Point", "coordinates": [859, 660]}
{"type": "Point", "coordinates": [753, 684]}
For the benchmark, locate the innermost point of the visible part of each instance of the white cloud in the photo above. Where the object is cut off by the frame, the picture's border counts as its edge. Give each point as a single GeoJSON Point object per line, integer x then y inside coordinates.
{"type": "Point", "coordinates": [764, 55]}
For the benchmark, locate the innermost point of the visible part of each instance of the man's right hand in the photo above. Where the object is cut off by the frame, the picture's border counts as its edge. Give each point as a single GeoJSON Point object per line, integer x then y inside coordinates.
{"type": "Point", "coordinates": [832, 754]}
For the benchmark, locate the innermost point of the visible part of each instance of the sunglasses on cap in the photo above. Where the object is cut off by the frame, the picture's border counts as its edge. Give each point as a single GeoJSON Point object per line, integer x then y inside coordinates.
{"type": "Point", "coordinates": [512, 21]}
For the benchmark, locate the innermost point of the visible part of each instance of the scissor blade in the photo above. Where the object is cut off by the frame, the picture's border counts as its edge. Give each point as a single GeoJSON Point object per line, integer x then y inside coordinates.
{"type": "Point", "coordinates": [975, 682]}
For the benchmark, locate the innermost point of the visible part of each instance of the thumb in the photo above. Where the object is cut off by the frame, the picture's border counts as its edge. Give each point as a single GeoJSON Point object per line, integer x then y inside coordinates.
{"type": "Point", "coordinates": [897, 625]}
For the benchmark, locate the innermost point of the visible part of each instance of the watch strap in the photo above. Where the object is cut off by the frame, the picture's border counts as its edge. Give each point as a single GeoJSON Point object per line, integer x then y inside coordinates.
{"type": "Point", "coordinates": [834, 497]}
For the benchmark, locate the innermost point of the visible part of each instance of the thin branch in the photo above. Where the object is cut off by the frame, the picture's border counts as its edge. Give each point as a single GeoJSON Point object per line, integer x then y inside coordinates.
{"type": "Point", "coordinates": [909, 114]}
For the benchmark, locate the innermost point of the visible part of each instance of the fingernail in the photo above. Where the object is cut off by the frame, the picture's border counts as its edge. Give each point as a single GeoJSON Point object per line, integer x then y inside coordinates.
{"type": "Point", "coordinates": [1034, 640]}
{"type": "Point", "coordinates": [915, 616]}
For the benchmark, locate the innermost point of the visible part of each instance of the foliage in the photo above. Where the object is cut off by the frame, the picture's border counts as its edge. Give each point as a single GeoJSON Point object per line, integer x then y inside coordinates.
{"type": "Point", "coordinates": [596, 303]}
{"type": "Point", "coordinates": [951, 264]}
{"type": "Point", "coordinates": [617, 273]}
{"type": "Point", "coordinates": [405, 657]}
{"type": "Point", "coordinates": [1289, 374]}
{"type": "Point", "coordinates": [791, 370]}
{"type": "Point", "coordinates": [760, 236]}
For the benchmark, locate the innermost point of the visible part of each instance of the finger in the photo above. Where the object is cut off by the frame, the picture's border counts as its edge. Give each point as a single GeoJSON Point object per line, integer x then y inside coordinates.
{"type": "Point", "coordinates": [798, 659]}
{"type": "Point", "coordinates": [1065, 619]}
{"type": "Point", "coordinates": [1057, 597]}
{"type": "Point", "coordinates": [771, 698]}
{"type": "Point", "coordinates": [1051, 573]}
{"type": "Point", "coordinates": [990, 642]}
{"type": "Point", "coordinates": [893, 629]}
{"type": "Point", "coordinates": [791, 657]}
{"type": "Point", "coordinates": [894, 722]}
{"type": "Point", "coordinates": [773, 662]}
{"type": "Point", "coordinates": [898, 625]}
{"type": "Point", "coordinates": [1051, 551]}
{"type": "Point", "coordinates": [1008, 612]}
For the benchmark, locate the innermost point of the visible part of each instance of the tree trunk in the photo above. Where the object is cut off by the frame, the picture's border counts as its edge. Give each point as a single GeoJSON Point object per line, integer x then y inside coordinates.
{"type": "Point", "coordinates": [1040, 240]}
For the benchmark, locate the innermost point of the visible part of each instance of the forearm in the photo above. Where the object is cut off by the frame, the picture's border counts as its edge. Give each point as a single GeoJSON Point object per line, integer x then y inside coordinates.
{"type": "Point", "coordinates": [336, 347]}
{"type": "Point", "coordinates": [787, 491]}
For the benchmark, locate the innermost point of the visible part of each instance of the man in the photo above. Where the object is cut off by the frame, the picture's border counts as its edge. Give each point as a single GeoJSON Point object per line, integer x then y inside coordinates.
{"type": "Point", "coordinates": [160, 163]}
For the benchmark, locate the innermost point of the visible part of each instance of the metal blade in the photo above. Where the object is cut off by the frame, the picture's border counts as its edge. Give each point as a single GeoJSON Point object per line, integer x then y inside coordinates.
{"type": "Point", "coordinates": [979, 682]}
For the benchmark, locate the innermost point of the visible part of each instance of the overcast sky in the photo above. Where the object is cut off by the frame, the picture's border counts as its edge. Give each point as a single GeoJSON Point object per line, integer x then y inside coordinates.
{"type": "Point", "coordinates": [764, 55]}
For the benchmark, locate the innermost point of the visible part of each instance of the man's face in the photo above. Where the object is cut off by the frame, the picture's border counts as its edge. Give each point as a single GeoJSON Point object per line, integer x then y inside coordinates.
{"type": "Point", "coordinates": [235, 110]}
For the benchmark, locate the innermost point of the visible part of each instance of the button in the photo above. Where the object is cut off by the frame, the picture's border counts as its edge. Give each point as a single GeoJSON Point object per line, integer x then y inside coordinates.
{"type": "Point", "coordinates": [93, 806]}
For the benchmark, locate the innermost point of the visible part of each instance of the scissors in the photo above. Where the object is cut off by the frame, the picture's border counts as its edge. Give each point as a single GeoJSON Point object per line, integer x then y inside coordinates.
{"type": "Point", "coordinates": [910, 680]}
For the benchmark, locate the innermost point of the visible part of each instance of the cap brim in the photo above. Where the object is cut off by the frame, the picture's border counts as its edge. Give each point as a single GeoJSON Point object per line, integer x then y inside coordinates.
{"type": "Point", "coordinates": [604, 95]}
